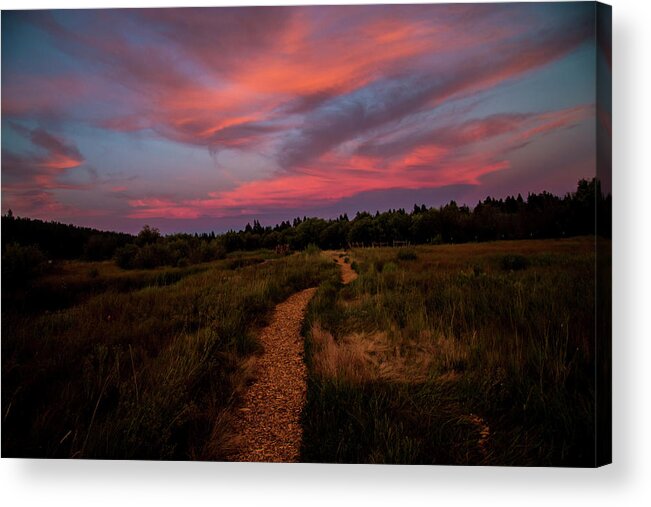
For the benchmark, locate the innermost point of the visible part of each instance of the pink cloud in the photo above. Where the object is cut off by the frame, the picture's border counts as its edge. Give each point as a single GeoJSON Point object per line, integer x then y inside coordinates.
{"type": "Point", "coordinates": [450, 155]}
{"type": "Point", "coordinates": [280, 56]}
{"type": "Point", "coordinates": [336, 101]}
{"type": "Point", "coordinates": [29, 179]}
{"type": "Point", "coordinates": [555, 120]}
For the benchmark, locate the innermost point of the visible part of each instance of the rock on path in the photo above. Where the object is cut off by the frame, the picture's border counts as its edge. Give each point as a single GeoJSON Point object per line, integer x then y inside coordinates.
{"type": "Point", "coordinates": [268, 423]}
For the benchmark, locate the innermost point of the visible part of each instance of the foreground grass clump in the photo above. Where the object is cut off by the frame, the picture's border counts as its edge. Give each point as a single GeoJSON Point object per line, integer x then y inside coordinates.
{"type": "Point", "coordinates": [466, 354]}
{"type": "Point", "coordinates": [134, 367]}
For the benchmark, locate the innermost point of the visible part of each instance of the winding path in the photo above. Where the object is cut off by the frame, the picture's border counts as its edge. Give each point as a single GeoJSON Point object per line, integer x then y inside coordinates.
{"type": "Point", "coordinates": [348, 274]}
{"type": "Point", "coordinates": [268, 424]}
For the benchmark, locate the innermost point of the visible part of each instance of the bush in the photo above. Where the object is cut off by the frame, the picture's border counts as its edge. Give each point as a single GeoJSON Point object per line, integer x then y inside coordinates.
{"type": "Point", "coordinates": [216, 251]}
{"type": "Point", "coordinates": [170, 251]}
{"type": "Point", "coordinates": [514, 262]}
{"type": "Point", "coordinates": [125, 256]}
{"type": "Point", "coordinates": [148, 257]}
{"type": "Point", "coordinates": [20, 263]}
{"type": "Point", "coordinates": [148, 235]}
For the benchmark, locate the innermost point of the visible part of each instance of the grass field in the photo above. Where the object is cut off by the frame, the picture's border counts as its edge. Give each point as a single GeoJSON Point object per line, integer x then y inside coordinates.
{"type": "Point", "coordinates": [99, 362]}
{"type": "Point", "coordinates": [456, 354]}
{"type": "Point", "coordinates": [479, 353]}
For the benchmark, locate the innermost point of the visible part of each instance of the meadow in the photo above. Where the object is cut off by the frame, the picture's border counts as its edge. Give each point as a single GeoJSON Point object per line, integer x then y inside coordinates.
{"type": "Point", "coordinates": [482, 353]}
{"type": "Point", "coordinates": [476, 353]}
{"type": "Point", "coordinates": [100, 362]}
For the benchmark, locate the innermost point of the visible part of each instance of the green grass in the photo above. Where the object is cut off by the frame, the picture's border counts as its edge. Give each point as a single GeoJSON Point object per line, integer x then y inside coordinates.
{"type": "Point", "coordinates": [458, 354]}
{"type": "Point", "coordinates": [144, 365]}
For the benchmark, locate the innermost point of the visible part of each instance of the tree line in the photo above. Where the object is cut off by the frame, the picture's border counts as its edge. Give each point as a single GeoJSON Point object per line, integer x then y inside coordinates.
{"type": "Point", "coordinates": [544, 215]}
{"type": "Point", "coordinates": [61, 241]}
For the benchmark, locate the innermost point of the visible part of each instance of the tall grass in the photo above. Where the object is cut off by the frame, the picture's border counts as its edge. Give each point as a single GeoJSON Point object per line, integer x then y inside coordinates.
{"type": "Point", "coordinates": [147, 373]}
{"type": "Point", "coordinates": [69, 283]}
{"type": "Point", "coordinates": [461, 354]}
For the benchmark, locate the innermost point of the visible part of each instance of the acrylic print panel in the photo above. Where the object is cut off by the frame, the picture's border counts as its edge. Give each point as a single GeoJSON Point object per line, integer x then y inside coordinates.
{"type": "Point", "coordinates": [347, 234]}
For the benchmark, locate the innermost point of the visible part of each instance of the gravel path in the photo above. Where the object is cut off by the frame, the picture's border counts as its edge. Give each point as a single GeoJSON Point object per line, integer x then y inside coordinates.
{"type": "Point", "coordinates": [268, 423]}
{"type": "Point", "coordinates": [348, 274]}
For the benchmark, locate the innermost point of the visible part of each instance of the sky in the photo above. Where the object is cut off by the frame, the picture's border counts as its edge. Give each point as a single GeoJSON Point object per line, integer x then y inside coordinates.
{"type": "Point", "coordinates": [204, 119]}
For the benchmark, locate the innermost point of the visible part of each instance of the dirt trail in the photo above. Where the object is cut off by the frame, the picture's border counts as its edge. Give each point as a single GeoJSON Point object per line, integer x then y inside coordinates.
{"type": "Point", "coordinates": [268, 424]}
{"type": "Point", "coordinates": [348, 274]}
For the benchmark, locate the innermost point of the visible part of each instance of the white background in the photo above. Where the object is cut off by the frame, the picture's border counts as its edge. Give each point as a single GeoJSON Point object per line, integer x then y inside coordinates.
{"type": "Point", "coordinates": [626, 482]}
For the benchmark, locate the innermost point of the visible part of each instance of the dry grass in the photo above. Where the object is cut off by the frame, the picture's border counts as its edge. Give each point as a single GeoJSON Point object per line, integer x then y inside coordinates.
{"type": "Point", "coordinates": [447, 355]}
{"type": "Point", "coordinates": [138, 371]}
{"type": "Point", "coordinates": [369, 357]}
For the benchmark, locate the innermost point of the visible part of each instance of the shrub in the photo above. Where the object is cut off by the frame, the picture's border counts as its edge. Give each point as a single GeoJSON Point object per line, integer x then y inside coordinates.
{"type": "Point", "coordinates": [148, 257]}
{"type": "Point", "coordinates": [216, 251]}
{"type": "Point", "coordinates": [21, 263]}
{"type": "Point", "coordinates": [125, 256]}
{"type": "Point", "coordinates": [148, 235]}
{"type": "Point", "coordinates": [176, 251]}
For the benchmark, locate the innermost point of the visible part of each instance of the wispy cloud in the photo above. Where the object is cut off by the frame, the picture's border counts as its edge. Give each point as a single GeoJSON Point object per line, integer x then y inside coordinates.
{"type": "Point", "coordinates": [329, 101]}
{"type": "Point", "coordinates": [29, 179]}
{"type": "Point", "coordinates": [444, 156]}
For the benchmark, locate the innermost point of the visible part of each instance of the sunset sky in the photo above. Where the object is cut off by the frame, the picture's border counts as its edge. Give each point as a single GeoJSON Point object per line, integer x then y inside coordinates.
{"type": "Point", "coordinates": [205, 119]}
